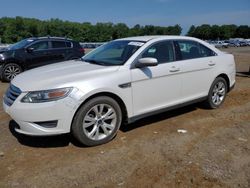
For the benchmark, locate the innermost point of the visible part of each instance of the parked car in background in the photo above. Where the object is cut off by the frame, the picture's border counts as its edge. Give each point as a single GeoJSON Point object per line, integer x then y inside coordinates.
{"type": "Point", "coordinates": [248, 42]}
{"type": "Point", "coordinates": [3, 46]}
{"type": "Point", "coordinates": [234, 43]}
{"type": "Point", "coordinates": [121, 81]}
{"type": "Point", "coordinates": [243, 43]}
{"type": "Point", "coordinates": [34, 52]}
{"type": "Point", "coordinates": [91, 45]}
{"type": "Point", "coordinates": [219, 44]}
{"type": "Point", "coordinates": [3, 49]}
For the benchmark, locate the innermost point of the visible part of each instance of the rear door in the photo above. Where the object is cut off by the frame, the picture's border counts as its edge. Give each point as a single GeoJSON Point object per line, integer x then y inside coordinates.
{"type": "Point", "coordinates": [154, 88]}
{"type": "Point", "coordinates": [197, 64]}
{"type": "Point", "coordinates": [59, 50]}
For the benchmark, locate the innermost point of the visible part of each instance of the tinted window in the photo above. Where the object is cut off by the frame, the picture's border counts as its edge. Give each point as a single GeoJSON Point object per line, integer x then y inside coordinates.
{"type": "Point", "coordinates": [206, 52]}
{"type": "Point", "coordinates": [192, 50]}
{"type": "Point", "coordinates": [162, 51]}
{"type": "Point", "coordinates": [43, 45]}
{"type": "Point", "coordinates": [58, 44]}
{"type": "Point", "coordinates": [68, 44]}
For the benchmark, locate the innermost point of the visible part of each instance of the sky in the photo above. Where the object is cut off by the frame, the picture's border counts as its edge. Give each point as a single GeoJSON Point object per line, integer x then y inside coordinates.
{"type": "Point", "coordinates": [132, 12]}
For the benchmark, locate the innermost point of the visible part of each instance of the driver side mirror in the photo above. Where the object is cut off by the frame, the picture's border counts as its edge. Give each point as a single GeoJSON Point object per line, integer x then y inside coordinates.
{"type": "Point", "coordinates": [29, 50]}
{"type": "Point", "coordinates": [146, 62]}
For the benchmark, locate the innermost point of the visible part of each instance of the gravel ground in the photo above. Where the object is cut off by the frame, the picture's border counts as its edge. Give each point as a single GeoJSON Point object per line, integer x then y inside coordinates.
{"type": "Point", "coordinates": [214, 152]}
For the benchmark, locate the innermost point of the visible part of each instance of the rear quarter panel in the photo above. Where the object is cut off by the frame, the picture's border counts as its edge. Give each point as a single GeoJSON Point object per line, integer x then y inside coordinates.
{"type": "Point", "coordinates": [226, 65]}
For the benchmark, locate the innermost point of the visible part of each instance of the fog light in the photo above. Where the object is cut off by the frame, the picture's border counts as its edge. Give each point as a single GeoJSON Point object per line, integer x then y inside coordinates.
{"type": "Point", "coordinates": [47, 124]}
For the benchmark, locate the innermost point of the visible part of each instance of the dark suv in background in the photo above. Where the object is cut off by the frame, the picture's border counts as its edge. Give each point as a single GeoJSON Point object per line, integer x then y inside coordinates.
{"type": "Point", "coordinates": [34, 52]}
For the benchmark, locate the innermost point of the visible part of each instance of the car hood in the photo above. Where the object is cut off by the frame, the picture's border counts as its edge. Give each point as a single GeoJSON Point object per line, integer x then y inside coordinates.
{"type": "Point", "coordinates": [9, 53]}
{"type": "Point", "coordinates": [2, 50]}
{"type": "Point", "coordinates": [60, 74]}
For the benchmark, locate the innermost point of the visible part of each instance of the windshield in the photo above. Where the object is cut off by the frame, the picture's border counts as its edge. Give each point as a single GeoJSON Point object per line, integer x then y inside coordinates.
{"type": "Point", "coordinates": [20, 44]}
{"type": "Point", "coordinates": [113, 53]}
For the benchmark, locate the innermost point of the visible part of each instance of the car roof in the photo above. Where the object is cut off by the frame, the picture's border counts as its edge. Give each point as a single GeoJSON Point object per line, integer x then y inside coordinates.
{"type": "Point", "coordinates": [159, 37]}
{"type": "Point", "coordinates": [48, 37]}
{"type": "Point", "coordinates": [170, 37]}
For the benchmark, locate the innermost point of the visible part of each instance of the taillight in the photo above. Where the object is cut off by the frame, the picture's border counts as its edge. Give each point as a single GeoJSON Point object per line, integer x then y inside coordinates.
{"type": "Point", "coordinates": [82, 50]}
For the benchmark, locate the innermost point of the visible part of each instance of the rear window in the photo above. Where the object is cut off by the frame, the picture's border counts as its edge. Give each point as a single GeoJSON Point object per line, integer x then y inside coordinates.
{"type": "Point", "coordinates": [58, 44]}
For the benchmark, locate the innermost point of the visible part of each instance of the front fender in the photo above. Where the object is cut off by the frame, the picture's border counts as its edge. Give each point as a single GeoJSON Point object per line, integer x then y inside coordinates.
{"type": "Point", "coordinates": [125, 96]}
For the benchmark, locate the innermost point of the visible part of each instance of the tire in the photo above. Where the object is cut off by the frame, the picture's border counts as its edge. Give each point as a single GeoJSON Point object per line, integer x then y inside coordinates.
{"type": "Point", "coordinates": [217, 93]}
{"type": "Point", "coordinates": [97, 121]}
{"type": "Point", "coordinates": [10, 71]}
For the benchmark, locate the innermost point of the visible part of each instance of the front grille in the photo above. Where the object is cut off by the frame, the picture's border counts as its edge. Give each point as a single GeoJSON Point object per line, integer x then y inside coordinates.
{"type": "Point", "coordinates": [11, 94]}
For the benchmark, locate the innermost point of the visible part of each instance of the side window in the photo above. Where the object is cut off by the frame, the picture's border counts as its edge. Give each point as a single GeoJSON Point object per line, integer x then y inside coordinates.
{"type": "Point", "coordinates": [43, 45]}
{"type": "Point", "coordinates": [191, 50]}
{"type": "Point", "coordinates": [206, 52]}
{"type": "Point", "coordinates": [69, 44]}
{"type": "Point", "coordinates": [162, 51]}
{"type": "Point", "coordinates": [58, 44]}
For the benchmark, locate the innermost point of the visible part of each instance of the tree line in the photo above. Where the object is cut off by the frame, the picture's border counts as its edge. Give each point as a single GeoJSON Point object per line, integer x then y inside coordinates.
{"type": "Point", "coordinates": [215, 32]}
{"type": "Point", "coordinates": [15, 29]}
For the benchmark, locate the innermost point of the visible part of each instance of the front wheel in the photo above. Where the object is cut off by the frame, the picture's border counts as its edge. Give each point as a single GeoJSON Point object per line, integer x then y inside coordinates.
{"type": "Point", "coordinates": [217, 93]}
{"type": "Point", "coordinates": [10, 71]}
{"type": "Point", "coordinates": [97, 121]}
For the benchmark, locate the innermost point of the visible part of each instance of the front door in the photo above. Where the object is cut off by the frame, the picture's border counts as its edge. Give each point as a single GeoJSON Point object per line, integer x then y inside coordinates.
{"type": "Point", "coordinates": [38, 54]}
{"type": "Point", "coordinates": [154, 88]}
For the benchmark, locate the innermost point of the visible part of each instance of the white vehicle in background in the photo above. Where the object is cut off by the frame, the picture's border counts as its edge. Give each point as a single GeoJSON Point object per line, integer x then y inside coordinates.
{"type": "Point", "coordinates": [225, 44]}
{"type": "Point", "coordinates": [220, 44]}
{"type": "Point", "coordinates": [248, 42]}
{"type": "Point", "coordinates": [121, 81]}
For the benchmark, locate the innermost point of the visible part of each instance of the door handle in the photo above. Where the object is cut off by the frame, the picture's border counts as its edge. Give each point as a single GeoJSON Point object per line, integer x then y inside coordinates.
{"type": "Point", "coordinates": [211, 63]}
{"type": "Point", "coordinates": [174, 69]}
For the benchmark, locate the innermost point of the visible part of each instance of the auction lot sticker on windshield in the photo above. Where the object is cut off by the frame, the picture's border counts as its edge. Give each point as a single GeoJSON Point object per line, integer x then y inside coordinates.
{"type": "Point", "coordinates": [136, 43]}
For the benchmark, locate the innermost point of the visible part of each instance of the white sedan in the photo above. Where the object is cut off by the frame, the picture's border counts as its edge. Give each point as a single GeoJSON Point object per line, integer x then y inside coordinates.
{"type": "Point", "coordinates": [119, 82]}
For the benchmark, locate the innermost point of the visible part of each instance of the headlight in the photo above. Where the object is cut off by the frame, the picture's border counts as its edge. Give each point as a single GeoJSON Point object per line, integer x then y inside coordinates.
{"type": "Point", "coordinates": [46, 96]}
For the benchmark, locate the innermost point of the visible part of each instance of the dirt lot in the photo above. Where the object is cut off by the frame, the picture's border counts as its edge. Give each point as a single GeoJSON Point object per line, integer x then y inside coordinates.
{"type": "Point", "coordinates": [215, 151]}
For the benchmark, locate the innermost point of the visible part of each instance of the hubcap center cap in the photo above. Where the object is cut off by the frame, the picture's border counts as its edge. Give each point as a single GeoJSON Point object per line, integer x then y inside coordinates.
{"type": "Point", "coordinates": [100, 121]}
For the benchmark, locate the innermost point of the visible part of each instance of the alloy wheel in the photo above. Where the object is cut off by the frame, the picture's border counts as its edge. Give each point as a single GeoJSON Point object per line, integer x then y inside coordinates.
{"type": "Point", "coordinates": [99, 122]}
{"type": "Point", "coordinates": [11, 71]}
{"type": "Point", "coordinates": [219, 92]}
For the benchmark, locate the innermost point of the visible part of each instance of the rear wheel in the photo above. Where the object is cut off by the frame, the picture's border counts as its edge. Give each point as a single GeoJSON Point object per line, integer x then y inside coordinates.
{"type": "Point", "coordinates": [217, 93]}
{"type": "Point", "coordinates": [97, 121]}
{"type": "Point", "coordinates": [10, 71]}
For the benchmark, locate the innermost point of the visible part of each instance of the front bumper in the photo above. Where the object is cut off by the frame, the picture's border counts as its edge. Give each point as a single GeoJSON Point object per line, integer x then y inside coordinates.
{"type": "Point", "coordinates": [27, 115]}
